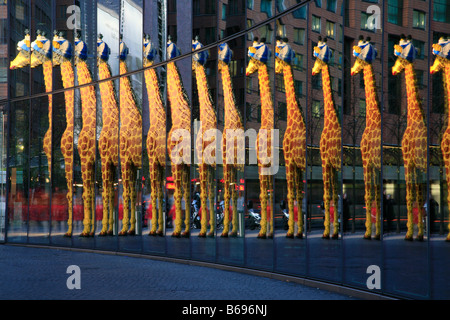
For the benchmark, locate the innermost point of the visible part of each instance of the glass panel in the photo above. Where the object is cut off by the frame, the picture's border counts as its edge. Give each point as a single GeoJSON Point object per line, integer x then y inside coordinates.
{"type": "Point", "coordinates": [290, 121]}
{"type": "Point", "coordinates": [405, 162]}
{"type": "Point", "coordinates": [154, 113]}
{"type": "Point", "coordinates": [361, 203]}
{"type": "Point", "coordinates": [262, 159]}
{"type": "Point", "coordinates": [179, 119]}
{"type": "Point", "coordinates": [325, 149]}
{"type": "Point", "coordinates": [3, 162]}
{"type": "Point", "coordinates": [130, 55]}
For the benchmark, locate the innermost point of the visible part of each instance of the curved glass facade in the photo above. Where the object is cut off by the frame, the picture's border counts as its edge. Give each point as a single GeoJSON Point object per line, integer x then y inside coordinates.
{"type": "Point", "coordinates": [306, 138]}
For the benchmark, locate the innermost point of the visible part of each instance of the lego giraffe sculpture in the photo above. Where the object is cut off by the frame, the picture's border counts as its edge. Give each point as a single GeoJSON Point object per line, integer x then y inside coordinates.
{"type": "Point", "coordinates": [414, 141]}
{"type": "Point", "coordinates": [62, 55]}
{"type": "Point", "coordinates": [156, 139]}
{"type": "Point", "coordinates": [231, 161]}
{"type": "Point", "coordinates": [208, 121]}
{"type": "Point", "coordinates": [86, 139]}
{"type": "Point", "coordinates": [107, 143]}
{"type": "Point", "coordinates": [130, 147]}
{"type": "Point", "coordinates": [294, 142]}
{"type": "Point", "coordinates": [259, 54]}
{"type": "Point", "coordinates": [442, 63]}
{"type": "Point", "coordinates": [330, 140]}
{"type": "Point", "coordinates": [365, 54]}
{"type": "Point", "coordinates": [181, 130]}
{"type": "Point", "coordinates": [34, 54]}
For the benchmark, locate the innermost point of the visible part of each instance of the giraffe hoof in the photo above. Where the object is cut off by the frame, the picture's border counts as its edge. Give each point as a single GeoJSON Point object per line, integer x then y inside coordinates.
{"type": "Point", "coordinates": [84, 234]}
{"type": "Point", "coordinates": [290, 235]}
{"type": "Point", "coordinates": [261, 236]}
{"type": "Point", "coordinates": [224, 235]}
{"type": "Point", "coordinates": [211, 234]}
{"type": "Point", "coordinates": [299, 235]}
{"type": "Point", "coordinates": [186, 234]}
{"type": "Point", "coordinates": [68, 234]}
{"type": "Point", "coordinates": [447, 239]}
{"type": "Point", "coordinates": [160, 233]}
{"type": "Point", "coordinates": [335, 236]}
{"type": "Point", "coordinates": [419, 238]}
{"type": "Point", "coordinates": [110, 233]}
{"type": "Point", "coordinates": [408, 238]}
{"type": "Point", "coordinates": [367, 237]}
{"type": "Point", "coordinates": [131, 232]}
{"type": "Point", "coordinates": [326, 236]}
{"type": "Point", "coordinates": [233, 234]}
{"type": "Point", "coordinates": [176, 234]}
{"type": "Point", "coordinates": [377, 237]}
{"type": "Point", "coordinates": [202, 235]}
{"type": "Point", "coordinates": [152, 233]}
{"type": "Point", "coordinates": [122, 233]}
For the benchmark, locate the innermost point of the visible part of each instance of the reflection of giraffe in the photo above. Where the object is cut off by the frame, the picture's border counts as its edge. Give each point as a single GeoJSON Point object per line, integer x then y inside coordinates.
{"type": "Point", "coordinates": [233, 124]}
{"type": "Point", "coordinates": [330, 140]}
{"type": "Point", "coordinates": [208, 121]}
{"type": "Point", "coordinates": [156, 139]}
{"type": "Point", "coordinates": [442, 63]}
{"type": "Point", "coordinates": [365, 53]}
{"type": "Point", "coordinates": [179, 134]}
{"type": "Point", "coordinates": [62, 55]}
{"type": "Point", "coordinates": [259, 55]}
{"type": "Point", "coordinates": [34, 54]}
{"type": "Point", "coordinates": [108, 141]}
{"type": "Point", "coordinates": [86, 139]}
{"type": "Point", "coordinates": [414, 142]}
{"type": "Point", "coordinates": [294, 142]}
{"type": "Point", "coordinates": [130, 145]}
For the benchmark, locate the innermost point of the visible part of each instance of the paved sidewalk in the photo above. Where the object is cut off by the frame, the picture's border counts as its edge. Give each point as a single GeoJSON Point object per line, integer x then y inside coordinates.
{"type": "Point", "coordinates": [41, 273]}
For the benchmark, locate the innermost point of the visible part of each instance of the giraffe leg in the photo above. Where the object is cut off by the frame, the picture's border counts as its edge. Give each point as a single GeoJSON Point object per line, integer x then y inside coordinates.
{"type": "Point", "coordinates": [176, 173]}
{"type": "Point", "coordinates": [409, 203]}
{"type": "Point", "coordinates": [160, 231]}
{"type": "Point", "coordinates": [334, 186]}
{"type": "Point", "coordinates": [290, 198]}
{"type": "Point", "coordinates": [105, 197]}
{"type": "Point", "coordinates": [419, 196]}
{"type": "Point", "coordinates": [87, 201]}
{"type": "Point", "coordinates": [299, 188]}
{"type": "Point", "coordinates": [69, 196]}
{"type": "Point", "coordinates": [203, 195]}
{"type": "Point", "coordinates": [263, 199]}
{"type": "Point", "coordinates": [326, 200]}
{"type": "Point", "coordinates": [132, 230]}
{"type": "Point", "coordinates": [447, 175]}
{"type": "Point", "coordinates": [111, 201]}
{"type": "Point", "coordinates": [270, 184]}
{"type": "Point", "coordinates": [234, 197]}
{"type": "Point", "coordinates": [376, 191]}
{"type": "Point", "coordinates": [187, 201]}
{"type": "Point", "coordinates": [126, 177]}
{"type": "Point", "coordinates": [212, 211]}
{"type": "Point", "coordinates": [153, 195]}
{"type": "Point", "coordinates": [226, 200]}
{"type": "Point", "coordinates": [368, 200]}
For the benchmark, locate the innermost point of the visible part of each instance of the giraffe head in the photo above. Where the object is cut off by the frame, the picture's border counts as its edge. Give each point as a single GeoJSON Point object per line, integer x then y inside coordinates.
{"type": "Point", "coordinates": [442, 52]}
{"type": "Point", "coordinates": [149, 51]}
{"type": "Point", "coordinates": [81, 51]}
{"type": "Point", "coordinates": [24, 53]}
{"type": "Point", "coordinates": [405, 52]}
{"type": "Point", "coordinates": [199, 58]}
{"type": "Point", "coordinates": [172, 49]}
{"type": "Point", "coordinates": [225, 55]}
{"type": "Point", "coordinates": [365, 54]}
{"type": "Point", "coordinates": [123, 50]}
{"type": "Point", "coordinates": [259, 55]}
{"type": "Point", "coordinates": [62, 49]}
{"type": "Point", "coordinates": [103, 51]}
{"type": "Point", "coordinates": [323, 55]}
{"type": "Point", "coordinates": [284, 55]}
{"type": "Point", "coordinates": [41, 50]}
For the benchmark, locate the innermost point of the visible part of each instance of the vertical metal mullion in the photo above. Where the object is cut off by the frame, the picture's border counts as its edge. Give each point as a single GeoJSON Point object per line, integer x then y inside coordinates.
{"type": "Point", "coordinates": [8, 111]}
{"type": "Point", "coordinates": [383, 50]}
{"type": "Point", "coordinates": [429, 257]}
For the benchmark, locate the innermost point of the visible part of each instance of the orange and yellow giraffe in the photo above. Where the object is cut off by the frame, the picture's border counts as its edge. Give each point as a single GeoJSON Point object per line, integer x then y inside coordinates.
{"type": "Point", "coordinates": [130, 146]}
{"type": "Point", "coordinates": [231, 161]}
{"type": "Point", "coordinates": [365, 54]}
{"type": "Point", "coordinates": [442, 63]}
{"type": "Point", "coordinates": [180, 130]}
{"type": "Point", "coordinates": [330, 140]}
{"type": "Point", "coordinates": [156, 139]}
{"type": "Point", "coordinates": [294, 141]}
{"type": "Point", "coordinates": [86, 139]}
{"type": "Point", "coordinates": [208, 121]}
{"type": "Point", "coordinates": [108, 141]}
{"type": "Point", "coordinates": [62, 56]}
{"type": "Point", "coordinates": [259, 55]}
{"type": "Point", "coordinates": [34, 54]}
{"type": "Point", "coordinates": [414, 141]}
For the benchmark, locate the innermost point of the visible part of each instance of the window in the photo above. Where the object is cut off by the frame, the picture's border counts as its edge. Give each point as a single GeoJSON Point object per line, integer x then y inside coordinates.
{"type": "Point", "coordinates": [315, 23]}
{"type": "Point", "coordinates": [441, 11]}
{"type": "Point", "coordinates": [298, 62]}
{"type": "Point", "coordinates": [395, 9]}
{"type": "Point", "coordinates": [420, 46]}
{"type": "Point", "coordinates": [279, 83]}
{"type": "Point", "coordinates": [420, 79]}
{"type": "Point", "coordinates": [250, 4]}
{"type": "Point", "coordinates": [282, 111]}
{"type": "Point", "coordinates": [280, 5]}
{"type": "Point", "coordinates": [233, 68]}
{"type": "Point", "coordinates": [331, 5]}
{"type": "Point", "coordinates": [298, 87]}
{"type": "Point", "coordinates": [266, 6]}
{"type": "Point", "coordinates": [196, 7]}
{"type": "Point", "coordinates": [267, 32]}
{"type": "Point", "coordinates": [364, 24]}
{"type": "Point", "coordinates": [330, 29]}
{"type": "Point", "coordinates": [210, 35]}
{"type": "Point", "coordinates": [249, 85]}
{"type": "Point", "coordinates": [233, 7]}
{"type": "Point", "coordinates": [318, 3]}
{"type": "Point", "coordinates": [299, 35]}
{"type": "Point", "coordinates": [419, 19]}
{"type": "Point", "coordinates": [224, 11]}
{"type": "Point", "coordinates": [362, 107]}
{"type": "Point", "coordinates": [301, 12]}
{"type": "Point", "coordinates": [210, 7]}
{"type": "Point", "coordinates": [315, 108]}
{"type": "Point", "coordinates": [316, 82]}
{"type": "Point", "coordinates": [249, 25]}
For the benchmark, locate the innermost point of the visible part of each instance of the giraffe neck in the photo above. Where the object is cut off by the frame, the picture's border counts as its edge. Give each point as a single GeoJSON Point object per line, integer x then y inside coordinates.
{"type": "Point", "coordinates": [293, 110]}
{"type": "Point", "coordinates": [330, 112]}
{"type": "Point", "coordinates": [207, 114]}
{"type": "Point", "coordinates": [68, 79]}
{"type": "Point", "coordinates": [128, 106]}
{"type": "Point", "coordinates": [446, 80]}
{"type": "Point", "coordinates": [415, 111]}
{"type": "Point", "coordinates": [232, 117]}
{"type": "Point", "coordinates": [157, 114]}
{"type": "Point", "coordinates": [267, 120]}
{"type": "Point", "coordinates": [88, 99]}
{"type": "Point", "coordinates": [47, 69]}
{"type": "Point", "coordinates": [179, 104]}
{"type": "Point", "coordinates": [110, 111]}
{"type": "Point", "coordinates": [373, 114]}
